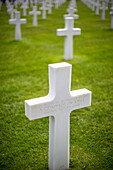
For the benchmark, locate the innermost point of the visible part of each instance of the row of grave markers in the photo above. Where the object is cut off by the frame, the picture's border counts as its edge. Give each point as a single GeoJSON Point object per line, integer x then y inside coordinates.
{"type": "Point", "coordinates": [46, 6]}
{"type": "Point", "coordinates": [17, 21]}
{"type": "Point", "coordinates": [60, 101]}
{"type": "Point", "coordinates": [69, 31]}
{"type": "Point", "coordinates": [96, 5]}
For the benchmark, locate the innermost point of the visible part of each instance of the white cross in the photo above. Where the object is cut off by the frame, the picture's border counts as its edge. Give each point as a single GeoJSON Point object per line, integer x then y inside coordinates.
{"type": "Point", "coordinates": [27, 2]}
{"type": "Point", "coordinates": [34, 13]}
{"type": "Point", "coordinates": [49, 7]}
{"type": "Point", "coordinates": [73, 4]}
{"type": "Point", "coordinates": [93, 5]}
{"type": "Point", "coordinates": [16, 4]}
{"type": "Point", "coordinates": [8, 4]}
{"type": "Point", "coordinates": [72, 9]}
{"type": "Point", "coordinates": [97, 4]}
{"type": "Point", "coordinates": [17, 21]}
{"type": "Point", "coordinates": [103, 8]}
{"type": "Point", "coordinates": [11, 11]}
{"type": "Point", "coordinates": [31, 3]}
{"type": "Point", "coordinates": [68, 31]}
{"type": "Point", "coordinates": [71, 13]}
{"type": "Point", "coordinates": [111, 13]}
{"type": "Point", "coordinates": [24, 7]}
{"type": "Point", "coordinates": [58, 105]}
{"type": "Point", "coordinates": [56, 4]}
{"type": "Point", "coordinates": [43, 8]}
{"type": "Point", "coordinates": [36, 2]}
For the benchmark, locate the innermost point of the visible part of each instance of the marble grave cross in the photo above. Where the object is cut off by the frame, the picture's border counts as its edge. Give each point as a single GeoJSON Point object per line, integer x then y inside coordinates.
{"type": "Point", "coordinates": [16, 4]}
{"type": "Point", "coordinates": [71, 11]}
{"type": "Point", "coordinates": [17, 21]}
{"type": "Point", "coordinates": [36, 2]}
{"type": "Point", "coordinates": [43, 8]}
{"type": "Point", "coordinates": [34, 13]}
{"type": "Point", "coordinates": [103, 9]}
{"type": "Point", "coordinates": [31, 3]}
{"type": "Point", "coordinates": [56, 4]}
{"type": "Point", "coordinates": [68, 32]}
{"type": "Point", "coordinates": [24, 7]}
{"type": "Point", "coordinates": [11, 11]}
{"type": "Point", "coordinates": [49, 5]}
{"type": "Point", "coordinates": [58, 105]}
{"type": "Point", "coordinates": [97, 5]}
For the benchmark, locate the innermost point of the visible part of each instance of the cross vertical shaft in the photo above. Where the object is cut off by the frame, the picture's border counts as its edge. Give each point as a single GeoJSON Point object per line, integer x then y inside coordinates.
{"type": "Point", "coordinates": [59, 141]}
{"type": "Point", "coordinates": [59, 82]}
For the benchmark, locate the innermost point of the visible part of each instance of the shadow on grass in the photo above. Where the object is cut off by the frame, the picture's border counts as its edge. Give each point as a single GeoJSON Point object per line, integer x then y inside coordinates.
{"type": "Point", "coordinates": [10, 41]}
{"type": "Point", "coordinates": [108, 30]}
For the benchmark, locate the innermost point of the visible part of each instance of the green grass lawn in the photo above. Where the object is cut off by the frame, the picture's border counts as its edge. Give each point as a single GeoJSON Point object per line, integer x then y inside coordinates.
{"type": "Point", "coordinates": [24, 75]}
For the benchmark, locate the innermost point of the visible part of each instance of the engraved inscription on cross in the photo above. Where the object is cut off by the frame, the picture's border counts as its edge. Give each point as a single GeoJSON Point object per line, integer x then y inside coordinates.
{"type": "Point", "coordinates": [58, 105]}
{"type": "Point", "coordinates": [68, 31]}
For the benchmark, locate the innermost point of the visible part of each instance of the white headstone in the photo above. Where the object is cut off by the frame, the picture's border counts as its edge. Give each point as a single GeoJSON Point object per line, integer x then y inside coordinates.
{"type": "Point", "coordinates": [34, 13]}
{"type": "Point", "coordinates": [24, 7]}
{"type": "Point", "coordinates": [56, 4]}
{"type": "Point", "coordinates": [71, 13]}
{"type": "Point", "coordinates": [11, 11]}
{"type": "Point", "coordinates": [36, 2]}
{"type": "Point", "coordinates": [31, 3]}
{"type": "Point", "coordinates": [58, 105]}
{"type": "Point", "coordinates": [97, 4]}
{"type": "Point", "coordinates": [111, 13]}
{"type": "Point", "coordinates": [73, 4]}
{"type": "Point", "coordinates": [93, 5]}
{"type": "Point", "coordinates": [8, 4]}
{"type": "Point", "coordinates": [103, 9]}
{"type": "Point", "coordinates": [16, 4]}
{"type": "Point", "coordinates": [68, 32]}
{"type": "Point", "coordinates": [72, 9]}
{"type": "Point", "coordinates": [44, 8]}
{"type": "Point", "coordinates": [49, 5]}
{"type": "Point", "coordinates": [17, 21]}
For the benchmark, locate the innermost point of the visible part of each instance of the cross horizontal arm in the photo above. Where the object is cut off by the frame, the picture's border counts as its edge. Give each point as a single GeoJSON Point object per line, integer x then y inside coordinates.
{"type": "Point", "coordinates": [38, 108]}
{"type": "Point", "coordinates": [23, 21]}
{"type": "Point", "coordinates": [77, 31]}
{"type": "Point", "coordinates": [43, 8]}
{"type": "Point", "coordinates": [75, 16]}
{"type": "Point", "coordinates": [79, 99]}
{"type": "Point", "coordinates": [12, 21]}
{"type": "Point", "coordinates": [62, 32]}
{"type": "Point", "coordinates": [31, 12]}
{"type": "Point", "coordinates": [71, 9]}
